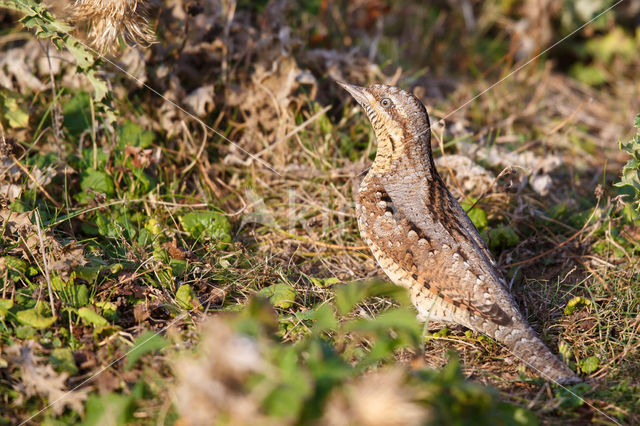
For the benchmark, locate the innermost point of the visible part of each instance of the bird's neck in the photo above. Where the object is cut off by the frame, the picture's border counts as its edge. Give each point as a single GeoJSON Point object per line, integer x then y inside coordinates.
{"type": "Point", "coordinates": [401, 153]}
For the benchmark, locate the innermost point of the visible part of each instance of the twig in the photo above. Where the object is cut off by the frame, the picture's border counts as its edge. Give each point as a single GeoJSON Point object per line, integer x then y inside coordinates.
{"type": "Point", "coordinates": [45, 264]}
{"type": "Point", "coordinates": [35, 181]}
{"type": "Point", "coordinates": [504, 171]}
{"type": "Point", "coordinates": [55, 111]}
{"type": "Point", "coordinates": [200, 151]}
{"type": "Point", "coordinates": [566, 120]}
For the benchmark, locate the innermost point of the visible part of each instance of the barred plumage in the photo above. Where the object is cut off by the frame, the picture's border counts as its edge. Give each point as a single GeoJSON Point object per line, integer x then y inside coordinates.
{"type": "Point", "coordinates": [424, 241]}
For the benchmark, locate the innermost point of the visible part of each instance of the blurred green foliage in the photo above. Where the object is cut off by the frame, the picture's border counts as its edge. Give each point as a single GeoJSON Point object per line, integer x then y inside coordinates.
{"type": "Point", "coordinates": [303, 376]}
{"type": "Point", "coordinates": [630, 179]}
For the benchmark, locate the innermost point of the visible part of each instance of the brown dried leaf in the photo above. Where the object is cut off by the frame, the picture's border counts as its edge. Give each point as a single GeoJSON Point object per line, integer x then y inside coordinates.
{"type": "Point", "coordinates": [39, 378]}
{"type": "Point", "coordinates": [472, 178]}
{"type": "Point", "coordinates": [140, 158]}
{"type": "Point", "coordinates": [141, 312]}
{"type": "Point", "coordinates": [379, 398]}
{"type": "Point", "coordinates": [65, 259]}
{"type": "Point", "coordinates": [210, 388]}
{"type": "Point", "coordinates": [174, 251]}
{"type": "Point", "coordinates": [201, 101]}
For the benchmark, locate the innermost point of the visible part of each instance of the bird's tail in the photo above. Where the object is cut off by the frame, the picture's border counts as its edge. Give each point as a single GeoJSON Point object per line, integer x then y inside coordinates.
{"type": "Point", "coordinates": [528, 348]}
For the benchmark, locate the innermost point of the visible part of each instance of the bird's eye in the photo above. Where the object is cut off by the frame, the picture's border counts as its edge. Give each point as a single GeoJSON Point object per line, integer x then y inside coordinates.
{"type": "Point", "coordinates": [386, 102]}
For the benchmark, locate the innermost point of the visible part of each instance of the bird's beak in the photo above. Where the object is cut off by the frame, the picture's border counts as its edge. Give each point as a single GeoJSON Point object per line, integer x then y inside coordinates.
{"type": "Point", "coordinates": [357, 92]}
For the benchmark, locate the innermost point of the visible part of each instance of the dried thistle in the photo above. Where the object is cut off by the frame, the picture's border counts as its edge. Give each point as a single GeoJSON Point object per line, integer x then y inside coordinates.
{"type": "Point", "coordinates": [212, 387]}
{"type": "Point", "coordinates": [110, 18]}
{"type": "Point", "coordinates": [380, 398]}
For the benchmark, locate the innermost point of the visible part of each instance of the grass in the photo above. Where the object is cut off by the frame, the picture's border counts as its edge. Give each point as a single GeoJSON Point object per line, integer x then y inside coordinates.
{"type": "Point", "coordinates": [150, 222]}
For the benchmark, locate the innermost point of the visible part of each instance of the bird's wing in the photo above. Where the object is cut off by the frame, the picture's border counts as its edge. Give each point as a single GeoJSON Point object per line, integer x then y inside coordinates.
{"type": "Point", "coordinates": [447, 256]}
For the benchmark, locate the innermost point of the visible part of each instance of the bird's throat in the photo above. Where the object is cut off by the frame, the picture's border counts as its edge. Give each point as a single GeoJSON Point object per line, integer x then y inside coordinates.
{"type": "Point", "coordinates": [398, 153]}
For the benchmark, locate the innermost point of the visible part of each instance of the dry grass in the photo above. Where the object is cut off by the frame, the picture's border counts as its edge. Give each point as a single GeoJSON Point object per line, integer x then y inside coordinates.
{"type": "Point", "coordinates": [298, 148]}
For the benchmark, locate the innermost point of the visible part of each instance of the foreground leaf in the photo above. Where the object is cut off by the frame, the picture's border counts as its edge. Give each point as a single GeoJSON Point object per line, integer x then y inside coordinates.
{"type": "Point", "coordinates": [349, 295]}
{"type": "Point", "coordinates": [589, 365]}
{"type": "Point", "coordinates": [207, 224]}
{"type": "Point", "coordinates": [5, 305]}
{"type": "Point", "coordinates": [185, 296]}
{"type": "Point", "coordinates": [92, 317]}
{"type": "Point", "coordinates": [62, 360]}
{"type": "Point", "coordinates": [35, 317]}
{"type": "Point", "coordinates": [280, 295]}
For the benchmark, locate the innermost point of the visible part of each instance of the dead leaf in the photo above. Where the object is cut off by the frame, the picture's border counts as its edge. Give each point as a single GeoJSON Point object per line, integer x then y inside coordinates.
{"type": "Point", "coordinates": [537, 168]}
{"type": "Point", "coordinates": [174, 251]}
{"type": "Point", "coordinates": [39, 378]}
{"type": "Point", "coordinates": [200, 101]}
{"type": "Point", "coordinates": [66, 259]}
{"type": "Point", "coordinates": [472, 178]}
{"type": "Point", "coordinates": [140, 158]}
{"type": "Point", "coordinates": [141, 312]}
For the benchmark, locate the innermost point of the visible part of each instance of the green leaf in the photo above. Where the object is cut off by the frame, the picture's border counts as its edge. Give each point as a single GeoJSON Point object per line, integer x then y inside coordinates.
{"type": "Point", "coordinates": [349, 295]}
{"type": "Point", "coordinates": [293, 389]}
{"type": "Point", "coordinates": [92, 317]}
{"type": "Point", "coordinates": [588, 74]}
{"type": "Point", "coordinates": [25, 332]}
{"type": "Point", "coordinates": [324, 282]}
{"type": "Point", "coordinates": [280, 295]}
{"type": "Point", "coordinates": [575, 303]}
{"type": "Point", "coordinates": [17, 267]}
{"type": "Point", "coordinates": [146, 343]}
{"type": "Point", "coordinates": [57, 283]}
{"type": "Point", "coordinates": [111, 408]}
{"type": "Point", "coordinates": [185, 295]}
{"type": "Point", "coordinates": [324, 317]}
{"type": "Point", "coordinates": [15, 264]}
{"type": "Point", "coordinates": [77, 114]}
{"type": "Point", "coordinates": [98, 181]}
{"type": "Point", "coordinates": [35, 317]}
{"type": "Point", "coordinates": [62, 360]}
{"type": "Point", "coordinates": [207, 224]}
{"type": "Point", "coordinates": [589, 365]}
{"type": "Point", "coordinates": [133, 134]}
{"type": "Point", "coordinates": [403, 321]}
{"type": "Point", "coordinates": [614, 43]}
{"type": "Point", "coordinates": [109, 309]}
{"type": "Point", "coordinates": [84, 59]}
{"type": "Point", "coordinates": [558, 210]}
{"type": "Point", "coordinates": [100, 88]}
{"type": "Point", "coordinates": [178, 267]}
{"type": "Point", "coordinates": [565, 351]}
{"type": "Point", "coordinates": [516, 415]}
{"type": "Point", "coordinates": [16, 115]}
{"type": "Point", "coordinates": [630, 176]}
{"type": "Point", "coordinates": [89, 273]}
{"type": "Point", "coordinates": [5, 305]}
{"type": "Point", "coordinates": [79, 295]}
{"type": "Point", "coordinates": [477, 215]}
{"type": "Point", "coordinates": [502, 237]}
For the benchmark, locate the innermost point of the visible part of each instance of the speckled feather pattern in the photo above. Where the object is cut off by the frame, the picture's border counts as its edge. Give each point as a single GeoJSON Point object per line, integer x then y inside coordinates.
{"type": "Point", "coordinates": [425, 242]}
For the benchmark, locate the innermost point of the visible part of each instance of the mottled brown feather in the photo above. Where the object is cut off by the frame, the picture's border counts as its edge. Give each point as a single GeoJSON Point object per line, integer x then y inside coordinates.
{"type": "Point", "coordinates": [423, 239]}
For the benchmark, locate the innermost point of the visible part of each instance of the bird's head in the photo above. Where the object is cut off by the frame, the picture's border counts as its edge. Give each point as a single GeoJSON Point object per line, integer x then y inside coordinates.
{"type": "Point", "coordinates": [399, 119]}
